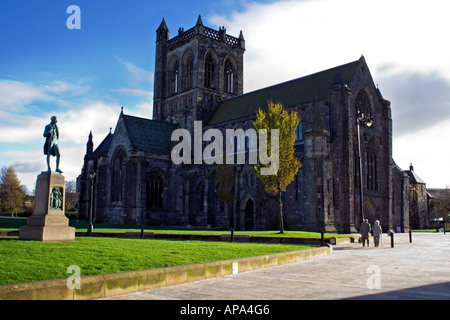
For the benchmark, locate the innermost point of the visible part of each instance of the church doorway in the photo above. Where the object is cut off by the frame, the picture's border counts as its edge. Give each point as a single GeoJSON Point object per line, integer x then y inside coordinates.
{"type": "Point", "coordinates": [249, 208]}
{"type": "Point", "coordinates": [370, 211]}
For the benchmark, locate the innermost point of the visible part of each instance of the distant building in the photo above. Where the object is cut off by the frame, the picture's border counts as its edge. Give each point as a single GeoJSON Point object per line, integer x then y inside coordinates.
{"type": "Point", "coordinates": [439, 206]}
{"type": "Point", "coordinates": [199, 77]}
{"type": "Point", "coordinates": [418, 201]}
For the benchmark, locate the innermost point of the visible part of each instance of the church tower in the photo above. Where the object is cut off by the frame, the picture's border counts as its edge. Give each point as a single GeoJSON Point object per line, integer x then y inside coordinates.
{"type": "Point", "coordinates": [195, 70]}
{"type": "Point", "coordinates": [317, 167]}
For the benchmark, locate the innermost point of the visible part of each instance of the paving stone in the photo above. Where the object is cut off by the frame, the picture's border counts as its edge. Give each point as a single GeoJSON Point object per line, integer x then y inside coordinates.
{"type": "Point", "coordinates": [417, 270]}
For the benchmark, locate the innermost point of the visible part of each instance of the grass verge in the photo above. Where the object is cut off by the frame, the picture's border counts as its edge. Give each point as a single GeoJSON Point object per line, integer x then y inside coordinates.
{"type": "Point", "coordinates": [25, 261]}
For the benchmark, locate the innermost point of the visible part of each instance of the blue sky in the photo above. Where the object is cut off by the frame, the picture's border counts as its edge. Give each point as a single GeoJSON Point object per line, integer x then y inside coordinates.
{"type": "Point", "coordinates": [82, 76]}
{"type": "Point", "coordinates": [85, 76]}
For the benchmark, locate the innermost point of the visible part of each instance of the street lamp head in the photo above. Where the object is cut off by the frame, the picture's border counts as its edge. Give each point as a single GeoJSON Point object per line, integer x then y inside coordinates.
{"type": "Point", "coordinates": [92, 175]}
{"type": "Point", "coordinates": [364, 119]}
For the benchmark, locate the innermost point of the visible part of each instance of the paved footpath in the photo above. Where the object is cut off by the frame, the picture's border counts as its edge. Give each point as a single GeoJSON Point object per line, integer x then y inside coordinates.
{"type": "Point", "coordinates": [417, 270]}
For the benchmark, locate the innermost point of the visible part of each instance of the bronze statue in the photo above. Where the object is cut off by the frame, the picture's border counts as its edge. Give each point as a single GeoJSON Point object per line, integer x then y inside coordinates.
{"type": "Point", "coordinates": [51, 135]}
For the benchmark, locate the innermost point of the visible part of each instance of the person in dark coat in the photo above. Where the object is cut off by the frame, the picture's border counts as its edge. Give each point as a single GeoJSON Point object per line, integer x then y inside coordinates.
{"type": "Point", "coordinates": [365, 229]}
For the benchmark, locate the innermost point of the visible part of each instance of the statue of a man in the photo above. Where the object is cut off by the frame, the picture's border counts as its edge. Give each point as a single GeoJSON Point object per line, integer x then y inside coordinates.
{"type": "Point", "coordinates": [51, 135]}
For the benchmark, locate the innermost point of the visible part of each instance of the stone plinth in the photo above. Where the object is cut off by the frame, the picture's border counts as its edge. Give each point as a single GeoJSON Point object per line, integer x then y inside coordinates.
{"type": "Point", "coordinates": [48, 222]}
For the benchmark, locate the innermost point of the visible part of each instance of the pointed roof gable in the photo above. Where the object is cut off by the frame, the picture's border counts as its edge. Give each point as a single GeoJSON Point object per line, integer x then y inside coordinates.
{"type": "Point", "coordinates": [146, 135]}
{"type": "Point", "coordinates": [290, 93]}
{"type": "Point", "coordinates": [103, 147]}
{"type": "Point", "coordinates": [163, 26]}
{"type": "Point", "coordinates": [413, 177]}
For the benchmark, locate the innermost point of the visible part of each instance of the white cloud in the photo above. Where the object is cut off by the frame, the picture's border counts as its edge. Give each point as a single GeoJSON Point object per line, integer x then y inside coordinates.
{"type": "Point", "coordinates": [31, 163]}
{"type": "Point", "coordinates": [74, 127]}
{"type": "Point", "coordinates": [419, 100]}
{"type": "Point", "coordinates": [289, 39]}
{"type": "Point", "coordinates": [139, 74]}
{"type": "Point", "coordinates": [21, 129]}
{"type": "Point", "coordinates": [284, 40]}
{"type": "Point", "coordinates": [14, 94]}
{"type": "Point", "coordinates": [28, 179]}
{"type": "Point", "coordinates": [26, 107]}
{"type": "Point", "coordinates": [428, 153]}
{"type": "Point", "coordinates": [75, 124]}
{"type": "Point", "coordinates": [71, 161]}
{"type": "Point", "coordinates": [143, 110]}
{"type": "Point", "coordinates": [26, 166]}
{"type": "Point", "coordinates": [139, 77]}
{"type": "Point", "coordinates": [401, 40]}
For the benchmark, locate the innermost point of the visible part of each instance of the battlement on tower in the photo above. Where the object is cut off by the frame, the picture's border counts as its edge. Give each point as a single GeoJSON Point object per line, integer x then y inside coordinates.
{"type": "Point", "coordinates": [220, 35]}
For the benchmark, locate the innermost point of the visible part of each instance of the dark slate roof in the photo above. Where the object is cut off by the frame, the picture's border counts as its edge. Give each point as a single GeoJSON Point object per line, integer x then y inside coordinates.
{"type": "Point", "coordinates": [290, 93]}
{"type": "Point", "coordinates": [414, 178]}
{"type": "Point", "coordinates": [149, 136]}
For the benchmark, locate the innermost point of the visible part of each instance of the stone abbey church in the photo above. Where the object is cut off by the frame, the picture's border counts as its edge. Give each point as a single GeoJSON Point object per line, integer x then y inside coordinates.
{"type": "Point", "coordinates": [199, 77]}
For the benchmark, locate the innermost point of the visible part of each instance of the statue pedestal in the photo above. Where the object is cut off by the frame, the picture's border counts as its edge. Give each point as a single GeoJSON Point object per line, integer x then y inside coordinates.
{"type": "Point", "coordinates": [48, 222]}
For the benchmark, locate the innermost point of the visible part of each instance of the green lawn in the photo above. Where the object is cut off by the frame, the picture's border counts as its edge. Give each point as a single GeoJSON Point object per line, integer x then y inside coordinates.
{"type": "Point", "coordinates": [25, 261]}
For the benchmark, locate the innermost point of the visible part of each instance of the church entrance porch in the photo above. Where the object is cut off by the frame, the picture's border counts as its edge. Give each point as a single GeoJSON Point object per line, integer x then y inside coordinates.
{"type": "Point", "coordinates": [249, 216]}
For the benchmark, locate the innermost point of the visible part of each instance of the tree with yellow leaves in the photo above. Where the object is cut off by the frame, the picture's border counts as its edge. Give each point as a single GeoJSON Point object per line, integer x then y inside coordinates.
{"type": "Point", "coordinates": [276, 117]}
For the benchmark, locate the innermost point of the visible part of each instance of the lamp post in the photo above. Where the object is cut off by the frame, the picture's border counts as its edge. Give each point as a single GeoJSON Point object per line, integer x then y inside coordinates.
{"type": "Point", "coordinates": [367, 121]}
{"type": "Point", "coordinates": [91, 182]}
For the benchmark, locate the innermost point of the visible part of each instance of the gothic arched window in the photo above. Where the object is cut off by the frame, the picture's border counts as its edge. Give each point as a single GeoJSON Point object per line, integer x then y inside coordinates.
{"type": "Point", "coordinates": [299, 132]}
{"type": "Point", "coordinates": [117, 175]}
{"type": "Point", "coordinates": [372, 174]}
{"type": "Point", "coordinates": [154, 194]}
{"type": "Point", "coordinates": [188, 70]}
{"type": "Point", "coordinates": [357, 177]}
{"type": "Point", "coordinates": [210, 71]}
{"type": "Point", "coordinates": [362, 104]}
{"type": "Point", "coordinates": [229, 76]}
{"type": "Point", "coordinates": [173, 78]}
{"type": "Point", "coordinates": [370, 170]}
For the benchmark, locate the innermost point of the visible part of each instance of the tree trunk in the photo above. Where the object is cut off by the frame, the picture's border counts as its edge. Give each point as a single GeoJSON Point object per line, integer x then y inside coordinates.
{"type": "Point", "coordinates": [280, 204]}
{"type": "Point", "coordinates": [229, 209]}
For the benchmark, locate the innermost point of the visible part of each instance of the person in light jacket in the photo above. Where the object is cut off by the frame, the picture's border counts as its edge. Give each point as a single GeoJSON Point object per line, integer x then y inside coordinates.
{"type": "Point", "coordinates": [365, 229]}
{"type": "Point", "coordinates": [377, 231]}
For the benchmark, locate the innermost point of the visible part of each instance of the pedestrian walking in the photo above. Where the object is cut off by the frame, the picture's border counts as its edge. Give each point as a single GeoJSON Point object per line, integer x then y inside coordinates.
{"type": "Point", "coordinates": [365, 229]}
{"type": "Point", "coordinates": [377, 231]}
